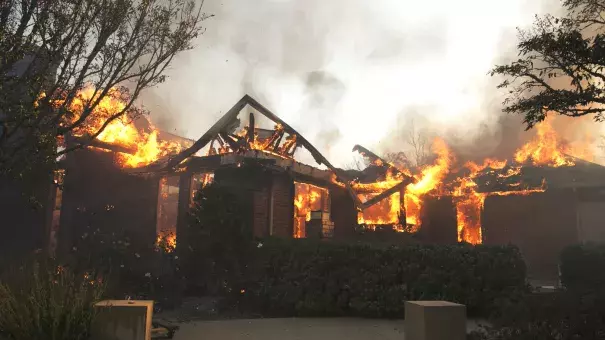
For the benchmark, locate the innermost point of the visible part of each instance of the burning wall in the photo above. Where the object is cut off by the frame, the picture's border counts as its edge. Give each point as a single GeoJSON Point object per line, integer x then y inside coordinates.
{"type": "Point", "coordinates": [541, 225]}
{"type": "Point", "coordinates": [97, 190]}
{"type": "Point", "coordinates": [465, 184]}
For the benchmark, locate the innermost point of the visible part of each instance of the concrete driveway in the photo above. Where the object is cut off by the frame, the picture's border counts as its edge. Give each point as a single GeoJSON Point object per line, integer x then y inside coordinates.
{"type": "Point", "coordinates": [294, 329]}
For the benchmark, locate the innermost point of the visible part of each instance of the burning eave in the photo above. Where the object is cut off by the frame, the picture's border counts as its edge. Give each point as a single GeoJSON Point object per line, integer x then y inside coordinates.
{"type": "Point", "coordinates": [213, 162]}
{"type": "Point", "coordinates": [531, 177]}
{"type": "Point", "coordinates": [95, 143]}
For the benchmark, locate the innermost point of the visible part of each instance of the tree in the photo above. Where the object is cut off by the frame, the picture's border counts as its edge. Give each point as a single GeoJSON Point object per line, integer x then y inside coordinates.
{"type": "Point", "coordinates": [418, 140]}
{"type": "Point", "coordinates": [52, 50]}
{"type": "Point", "coordinates": [398, 159]}
{"type": "Point", "coordinates": [560, 69]}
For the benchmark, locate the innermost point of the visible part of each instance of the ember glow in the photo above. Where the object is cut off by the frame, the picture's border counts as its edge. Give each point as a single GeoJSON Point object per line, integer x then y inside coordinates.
{"type": "Point", "coordinates": [167, 242]}
{"type": "Point", "coordinates": [167, 211]}
{"type": "Point", "coordinates": [146, 147]}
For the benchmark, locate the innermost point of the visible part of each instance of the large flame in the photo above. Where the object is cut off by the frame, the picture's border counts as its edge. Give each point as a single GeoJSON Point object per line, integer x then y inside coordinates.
{"type": "Point", "coordinates": [469, 202]}
{"type": "Point", "coordinates": [382, 213]}
{"type": "Point", "coordinates": [545, 148]}
{"type": "Point", "coordinates": [430, 178]}
{"type": "Point", "coordinates": [146, 148]}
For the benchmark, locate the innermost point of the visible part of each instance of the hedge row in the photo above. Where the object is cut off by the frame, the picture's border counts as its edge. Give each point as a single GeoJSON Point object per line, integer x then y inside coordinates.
{"type": "Point", "coordinates": [583, 268]}
{"type": "Point", "coordinates": [306, 278]}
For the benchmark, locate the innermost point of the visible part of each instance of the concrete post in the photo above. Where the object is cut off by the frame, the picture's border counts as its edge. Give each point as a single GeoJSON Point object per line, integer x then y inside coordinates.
{"type": "Point", "coordinates": [122, 320]}
{"type": "Point", "coordinates": [435, 320]}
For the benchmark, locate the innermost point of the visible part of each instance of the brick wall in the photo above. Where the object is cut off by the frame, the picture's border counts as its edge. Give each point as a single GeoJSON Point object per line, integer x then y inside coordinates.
{"type": "Point", "coordinates": [343, 213]}
{"type": "Point", "coordinates": [283, 206]}
{"type": "Point", "coordinates": [260, 212]}
{"type": "Point", "coordinates": [439, 223]}
{"type": "Point", "coordinates": [541, 225]}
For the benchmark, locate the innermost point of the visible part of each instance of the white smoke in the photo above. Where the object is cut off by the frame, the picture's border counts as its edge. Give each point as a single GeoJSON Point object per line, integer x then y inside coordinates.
{"type": "Point", "coordinates": [345, 72]}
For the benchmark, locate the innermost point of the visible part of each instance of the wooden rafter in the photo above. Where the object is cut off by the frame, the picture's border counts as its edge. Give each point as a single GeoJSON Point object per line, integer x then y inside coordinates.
{"type": "Point", "coordinates": [251, 129]}
{"type": "Point", "coordinates": [103, 145]}
{"type": "Point", "coordinates": [227, 121]}
{"type": "Point", "coordinates": [278, 141]}
{"type": "Point", "coordinates": [277, 134]}
{"type": "Point", "coordinates": [235, 144]}
{"type": "Point", "coordinates": [374, 158]}
{"type": "Point", "coordinates": [384, 194]}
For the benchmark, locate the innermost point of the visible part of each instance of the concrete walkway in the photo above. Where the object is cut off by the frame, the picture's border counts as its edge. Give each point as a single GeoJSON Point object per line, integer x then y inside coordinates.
{"type": "Point", "coordinates": [295, 328]}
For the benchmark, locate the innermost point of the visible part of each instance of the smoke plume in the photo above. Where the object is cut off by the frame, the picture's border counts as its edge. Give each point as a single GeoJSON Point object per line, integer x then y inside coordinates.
{"type": "Point", "coordinates": [348, 72]}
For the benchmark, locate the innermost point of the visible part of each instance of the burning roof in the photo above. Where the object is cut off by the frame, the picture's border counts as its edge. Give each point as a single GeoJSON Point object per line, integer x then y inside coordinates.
{"type": "Point", "coordinates": [136, 141]}
{"type": "Point", "coordinates": [383, 192]}
{"type": "Point", "coordinates": [281, 142]}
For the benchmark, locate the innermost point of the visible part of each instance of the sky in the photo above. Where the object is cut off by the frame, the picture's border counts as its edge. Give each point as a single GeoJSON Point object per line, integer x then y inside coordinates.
{"type": "Point", "coordinates": [346, 72]}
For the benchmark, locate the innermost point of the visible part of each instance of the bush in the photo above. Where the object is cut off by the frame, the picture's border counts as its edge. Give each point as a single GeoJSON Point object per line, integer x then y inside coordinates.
{"type": "Point", "coordinates": [583, 268]}
{"type": "Point", "coordinates": [303, 277]}
{"type": "Point", "coordinates": [41, 300]}
{"type": "Point", "coordinates": [561, 315]}
{"type": "Point", "coordinates": [135, 269]}
{"type": "Point", "coordinates": [218, 241]}
{"type": "Point", "coordinates": [577, 312]}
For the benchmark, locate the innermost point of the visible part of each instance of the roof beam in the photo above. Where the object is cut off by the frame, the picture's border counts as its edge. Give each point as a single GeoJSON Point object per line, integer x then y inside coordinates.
{"type": "Point", "coordinates": [385, 194]}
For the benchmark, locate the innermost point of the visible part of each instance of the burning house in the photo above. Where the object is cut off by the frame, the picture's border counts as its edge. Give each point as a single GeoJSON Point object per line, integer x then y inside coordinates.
{"type": "Point", "coordinates": [133, 177]}
{"type": "Point", "coordinates": [285, 198]}
{"type": "Point", "coordinates": [141, 181]}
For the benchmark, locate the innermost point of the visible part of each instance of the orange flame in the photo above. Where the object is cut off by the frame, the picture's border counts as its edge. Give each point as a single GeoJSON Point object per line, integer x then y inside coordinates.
{"type": "Point", "coordinates": [545, 148]}
{"type": "Point", "coordinates": [383, 213]}
{"type": "Point", "coordinates": [166, 241]}
{"type": "Point", "coordinates": [120, 131]}
{"type": "Point", "coordinates": [430, 178]}
{"type": "Point", "coordinates": [307, 198]}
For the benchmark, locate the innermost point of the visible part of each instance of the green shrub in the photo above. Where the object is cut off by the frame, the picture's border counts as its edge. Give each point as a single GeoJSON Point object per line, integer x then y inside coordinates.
{"type": "Point", "coordinates": [43, 301]}
{"type": "Point", "coordinates": [583, 268]}
{"type": "Point", "coordinates": [303, 277]}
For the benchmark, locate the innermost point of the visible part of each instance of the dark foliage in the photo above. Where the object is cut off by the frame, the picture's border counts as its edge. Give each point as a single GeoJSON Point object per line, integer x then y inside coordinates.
{"type": "Point", "coordinates": [135, 270]}
{"type": "Point", "coordinates": [583, 268]}
{"type": "Point", "coordinates": [51, 50]}
{"type": "Point", "coordinates": [218, 240]}
{"type": "Point", "coordinates": [577, 312]}
{"type": "Point", "coordinates": [41, 300]}
{"type": "Point", "coordinates": [560, 68]}
{"type": "Point", "coordinates": [560, 316]}
{"type": "Point", "coordinates": [302, 277]}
